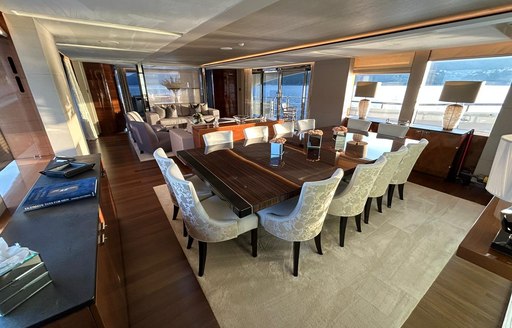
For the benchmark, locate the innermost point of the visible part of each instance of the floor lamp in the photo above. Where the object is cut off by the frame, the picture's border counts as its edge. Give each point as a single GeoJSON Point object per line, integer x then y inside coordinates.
{"type": "Point", "coordinates": [500, 185]}
{"type": "Point", "coordinates": [457, 92]}
{"type": "Point", "coordinates": [366, 90]}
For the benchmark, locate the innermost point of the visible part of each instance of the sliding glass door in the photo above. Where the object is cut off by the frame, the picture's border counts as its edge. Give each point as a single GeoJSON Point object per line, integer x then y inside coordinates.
{"type": "Point", "coordinates": [278, 92]}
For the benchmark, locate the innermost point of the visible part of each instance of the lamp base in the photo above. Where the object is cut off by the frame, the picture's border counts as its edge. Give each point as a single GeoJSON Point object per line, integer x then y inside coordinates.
{"type": "Point", "coordinates": [364, 104]}
{"type": "Point", "coordinates": [452, 116]}
{"type": "Point", "coordinates": [502, 243]}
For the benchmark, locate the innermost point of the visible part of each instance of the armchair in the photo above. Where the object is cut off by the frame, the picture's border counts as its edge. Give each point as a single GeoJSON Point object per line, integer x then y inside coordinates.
{"type": "Point", "coordinates": [148, 140]}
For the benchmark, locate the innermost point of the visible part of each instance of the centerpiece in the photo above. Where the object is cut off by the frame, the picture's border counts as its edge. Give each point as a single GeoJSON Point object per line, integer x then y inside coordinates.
{"type": "Point", "coordinates": [276, 151]}
{"type": "Point", "coordinates": [338, 135]}
{"type": "Point", "coordinates": [173, 85]}
{"type": "Point", "coordinates": [197, 118]}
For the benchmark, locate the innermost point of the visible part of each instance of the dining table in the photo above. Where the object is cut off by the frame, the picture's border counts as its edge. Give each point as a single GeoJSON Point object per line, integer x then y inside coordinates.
{"type": "Point", "coordinates": [251, 175]}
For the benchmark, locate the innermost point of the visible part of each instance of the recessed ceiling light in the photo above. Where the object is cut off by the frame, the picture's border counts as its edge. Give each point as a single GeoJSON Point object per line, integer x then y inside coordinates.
{"type": "Point", "coordinates": [95, 23]}
{"type": "Point", "coordinates": [226, 48]}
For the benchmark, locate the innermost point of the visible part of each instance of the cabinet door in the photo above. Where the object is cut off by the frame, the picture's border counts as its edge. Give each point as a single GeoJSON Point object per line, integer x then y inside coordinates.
{"type": "Point", "coordinates": [110, 308]}
{"type": "Point", "coordinates": [437, 158]}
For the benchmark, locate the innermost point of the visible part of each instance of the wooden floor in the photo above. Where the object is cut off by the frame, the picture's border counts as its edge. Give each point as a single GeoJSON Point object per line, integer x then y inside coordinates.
{"type": "Point", "coordinates": [162, 289]}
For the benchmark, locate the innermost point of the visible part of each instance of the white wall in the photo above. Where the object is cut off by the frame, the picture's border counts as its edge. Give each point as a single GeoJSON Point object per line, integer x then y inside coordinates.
{"type": "Point", "coordinates": [329, 79]}
{"type": "Point", "coordinates": [46, 78]}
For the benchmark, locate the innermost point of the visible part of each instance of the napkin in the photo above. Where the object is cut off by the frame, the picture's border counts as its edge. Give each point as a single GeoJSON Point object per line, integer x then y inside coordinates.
{"type": "Point", "coordinates": [12, 256]}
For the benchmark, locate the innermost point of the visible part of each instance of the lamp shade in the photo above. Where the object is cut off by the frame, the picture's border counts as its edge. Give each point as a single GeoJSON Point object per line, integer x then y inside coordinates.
{"type": "Point", "coordinates": [460, 91]}
{"type": "Point", "coordinates": [366, 89]}
{"type": "Point", "coordinates": [500, 178]}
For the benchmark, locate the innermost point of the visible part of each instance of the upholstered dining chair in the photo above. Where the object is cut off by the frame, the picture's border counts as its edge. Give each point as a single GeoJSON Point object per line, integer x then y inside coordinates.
{"type": "Point", "coordinates": [357, 124]}
{"type": "Point", "coordinates": [380, 186]}
{"type": "Point", "coordinates": [201, 188]}
{"type": "Point", "coordinates": [351, 198]}
{"type": "Point", "coordinates": [256, 132]}
{"type": "Point", "coordinates": [217, 137]}
{"type": "Point", "coordinates": [404, 169]}
{"type": "Point", "coordinates": [283, 128]}
{"type": "Point", "coordinates": [210, 220]}
{"type": "Point", "coordinates": [306, 124]}
{"type": "Point", "coordinates": [393, 130]}
{"type": "Point", "coordinates": [301, 218]}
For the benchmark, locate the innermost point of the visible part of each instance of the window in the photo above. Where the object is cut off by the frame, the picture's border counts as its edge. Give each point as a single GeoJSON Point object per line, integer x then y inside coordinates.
{"type": "Point", "coordinates": [278, 90]}
{"type": "Point", "coordinates": [188, 81]}
{"type": "Point", "coordinates": [496, 72]}
{"type": "Point", "coordinates": [388, 100]}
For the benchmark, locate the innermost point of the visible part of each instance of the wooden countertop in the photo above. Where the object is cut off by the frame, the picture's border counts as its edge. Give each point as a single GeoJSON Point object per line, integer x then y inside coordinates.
{"type": "Point", "coordinates": [476, 247]}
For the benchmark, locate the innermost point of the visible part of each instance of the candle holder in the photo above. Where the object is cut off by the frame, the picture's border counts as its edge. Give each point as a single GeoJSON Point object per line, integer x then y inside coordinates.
{"type": "Point", "coordinates": [314, 145]}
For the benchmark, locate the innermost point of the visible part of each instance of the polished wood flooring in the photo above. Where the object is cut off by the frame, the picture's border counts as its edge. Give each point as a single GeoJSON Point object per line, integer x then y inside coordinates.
{"type": "Point", "coordinates": [162, 289]}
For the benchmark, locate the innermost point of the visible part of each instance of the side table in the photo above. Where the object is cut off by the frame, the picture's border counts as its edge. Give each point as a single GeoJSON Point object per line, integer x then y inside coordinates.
{"type": "Point", "coordinates": [180, 139]}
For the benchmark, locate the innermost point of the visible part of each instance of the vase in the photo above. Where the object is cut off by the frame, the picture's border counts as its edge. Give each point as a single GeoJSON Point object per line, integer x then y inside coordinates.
{"type": "Point", "coordinates": [313, 147]}
{"type": "Point", "coordinates": [276, 153]}
{"type": "Point", "coordinates": [339, 141]}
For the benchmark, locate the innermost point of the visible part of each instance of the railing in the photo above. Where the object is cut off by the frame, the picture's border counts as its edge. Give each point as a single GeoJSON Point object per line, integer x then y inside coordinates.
{"type": "Point", "coordinates": [270, 106]}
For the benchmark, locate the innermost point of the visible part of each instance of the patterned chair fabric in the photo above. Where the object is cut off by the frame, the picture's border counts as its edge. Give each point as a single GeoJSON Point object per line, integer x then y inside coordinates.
{"type": "Point", "coordinates": [404, 169]}
{"type": "Point", "coordinates": [301, 218]}
{"type": "Point", "coordinates": [351, 201]}
{"type": "Point", "coordinates": [256, 132]}
{"type": "Point", "coordinates": [380, 186]}
{"type": "Point", "coordinates": [164, 163]}
{"type": "Point", "coordinates": [211, 220]}
{"type": "Point", "coordinates": [357, 124]}
{"type": "Point", "coordinates": [217, 137]}
{"type": "Point", "coordinates": [393, 130]}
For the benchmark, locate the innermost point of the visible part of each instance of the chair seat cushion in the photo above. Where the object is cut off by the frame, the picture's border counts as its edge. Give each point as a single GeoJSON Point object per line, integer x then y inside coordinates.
{"type": "Point", "coordinates": [220, 211]}
{"type": "Point", "coordinates": [202, 189]}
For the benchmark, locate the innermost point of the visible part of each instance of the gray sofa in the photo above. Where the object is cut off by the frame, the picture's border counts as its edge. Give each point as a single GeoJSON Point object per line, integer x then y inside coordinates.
{"type": "Point", "coordinates": [148, 138]}
{"type": "Point", "coordinates": [176, 114]}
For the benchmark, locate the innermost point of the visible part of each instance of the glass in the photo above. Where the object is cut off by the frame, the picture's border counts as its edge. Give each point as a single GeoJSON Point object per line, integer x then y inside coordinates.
{"type": "Point", "coordinates": [481, 115]}
{"type": "Point", "coordinates": [387, 103]}
{"type": "Point", "coordinates": [276, 153]}
{"type": "Point", "coordinates": [313, 147]}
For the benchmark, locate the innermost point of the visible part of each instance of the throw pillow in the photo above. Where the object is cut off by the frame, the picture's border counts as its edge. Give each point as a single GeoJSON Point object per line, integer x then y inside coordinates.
{"type": "Point", "coordinates": [204, 108]}
{"type": "Point", "coordinates": [195, 109]}
{"type": "Point", "coordinates": [169, 112]}
{"type": "Point", "coordinates": [183, 110]}
{"type": "Point", "coordinates": [159, 110]}
{"type": "Point", "coordinates": [174, 111]}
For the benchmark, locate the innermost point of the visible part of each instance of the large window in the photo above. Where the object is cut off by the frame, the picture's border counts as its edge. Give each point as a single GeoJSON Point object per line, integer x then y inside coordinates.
{"type": "Point", "coordinates": [388, 99]}
{"type": "Point", "coordinates": [187, 82]}
{"type": "Point", "coordinates": [496, 72]}
{"type": "Point", "coordinates": [276, 92]}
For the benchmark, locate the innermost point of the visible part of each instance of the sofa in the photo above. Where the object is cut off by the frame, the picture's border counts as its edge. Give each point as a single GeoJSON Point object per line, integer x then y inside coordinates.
{"type": "Point", "coordinates": [147, 137]}
{"type": "Point", "coordinates": [176, 114]}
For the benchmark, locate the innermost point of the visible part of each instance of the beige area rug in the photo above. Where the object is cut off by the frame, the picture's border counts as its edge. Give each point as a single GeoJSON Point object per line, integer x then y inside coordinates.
{"type": "Point", "coordinates": [144, 156]}
{"type": "Point", "coordinates": [376, 280]}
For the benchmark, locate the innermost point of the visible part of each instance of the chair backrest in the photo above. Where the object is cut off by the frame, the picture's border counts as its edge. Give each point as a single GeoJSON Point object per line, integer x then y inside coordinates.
{"type": "Point", "coordinates": [393, 130]}
{"type": "Point", "coordinates": [198, 222]}
{"type": "Point", "coordinates": [352, 200]}
{"type": "Point", "coordinates": [164, 163]}
{"type": "Point", "coordinates": [283, 128]}
{"type": "Point", "coordinates": [256, 132]}
{"type": "Point", "coordinates": [134, 116]}
{"type": "Point", "coordinates": [307, 218]}
{"type": "Point", "coordinates": [405, 167]}
{"type": "Point", "coordinates": [357, 124]}
{"type": "Point", "coordinates": [307, 124]}
{"type": "Point", "coordinates": [217, 137]}
{"type": "Point", "coordinates": [148, 138]}
{"type": "Point", "coordinates": [393, 159]}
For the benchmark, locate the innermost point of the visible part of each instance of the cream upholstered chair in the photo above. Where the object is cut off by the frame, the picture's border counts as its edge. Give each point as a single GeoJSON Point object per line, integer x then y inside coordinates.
{"type": "Point", "coordinates": [301, 218]}
{"type": "Point", "coordinates": [357, 124]}
{"type": "Point", "coordinates": [306, 124]}
{"type": "Point", "coordinates": [282, 129]}
{"type": "Point", "coordinates": [217, 137]}
{"type": "Point", "coordinates": [380, 186]}
{"type": "Point", "coordinates": [404, 169]}
{"type": "Point", "coordinates": [393, 130]}
{"type": "Point", "coordinates": [351, 200]}
{"type": "Point", "coordinates": [256, 132]}
{"type": "Point", "coordinates": [202, 189]}
{"type": "Point", "coordinates": [210, 220]}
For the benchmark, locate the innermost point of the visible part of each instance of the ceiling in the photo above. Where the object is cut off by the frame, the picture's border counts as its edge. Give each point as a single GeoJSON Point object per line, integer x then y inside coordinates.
{"type": "Point", "coordinates": [202, 27]}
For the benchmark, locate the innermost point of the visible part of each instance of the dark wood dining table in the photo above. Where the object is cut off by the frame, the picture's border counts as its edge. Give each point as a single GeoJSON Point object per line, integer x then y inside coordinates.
{"type": "Point", "coordinates": [243, 173]}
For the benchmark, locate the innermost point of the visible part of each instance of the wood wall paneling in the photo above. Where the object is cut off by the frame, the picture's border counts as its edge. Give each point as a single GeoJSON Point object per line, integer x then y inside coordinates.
{"type": "Point", "coordinates": [225, 93]}
{"type": "Point", "coordinates": [102, 85]}
{"type": "Point", "coordinates": [20, 122]}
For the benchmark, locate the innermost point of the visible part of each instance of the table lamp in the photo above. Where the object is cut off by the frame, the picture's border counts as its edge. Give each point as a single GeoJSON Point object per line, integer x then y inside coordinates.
{"type": "Point", "coordinates": [500, 185]}
{"type": "Point", "coordinates": [366, 90]}
{"type": "Point", "coordinates": [457, 92]}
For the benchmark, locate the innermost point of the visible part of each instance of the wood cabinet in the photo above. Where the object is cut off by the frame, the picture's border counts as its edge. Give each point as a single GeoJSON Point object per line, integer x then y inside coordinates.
{"type": "Point", "coordinates": [444, 153]}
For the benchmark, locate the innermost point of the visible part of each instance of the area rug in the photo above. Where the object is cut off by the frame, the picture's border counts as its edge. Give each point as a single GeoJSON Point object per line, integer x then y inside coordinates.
{"type": "Point", "coordinates": [145, 156]}
{"type": "Point", "coordinates": [376, 280]}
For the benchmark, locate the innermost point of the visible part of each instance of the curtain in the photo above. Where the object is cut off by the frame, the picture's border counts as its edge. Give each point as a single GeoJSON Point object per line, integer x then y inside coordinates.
{"type": "Point", "coordinates": [85, 119]}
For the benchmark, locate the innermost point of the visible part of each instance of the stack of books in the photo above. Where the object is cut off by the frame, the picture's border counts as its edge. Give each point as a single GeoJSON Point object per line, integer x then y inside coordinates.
{"type": "Point", "coordinates": [21, 282]}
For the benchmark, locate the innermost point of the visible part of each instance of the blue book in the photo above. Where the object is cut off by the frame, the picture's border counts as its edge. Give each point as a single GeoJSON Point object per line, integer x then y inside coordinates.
{"type": "Point", "coordinates": [58, 193]}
